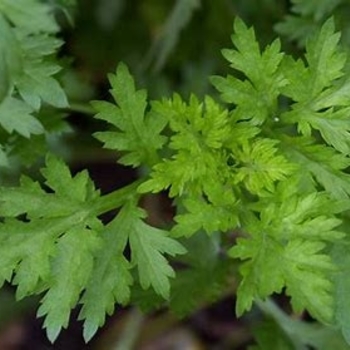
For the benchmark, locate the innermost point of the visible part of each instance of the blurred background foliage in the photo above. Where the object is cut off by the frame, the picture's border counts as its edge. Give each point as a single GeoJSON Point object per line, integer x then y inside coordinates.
{"type": "Point", "coordinates": [170, 46]}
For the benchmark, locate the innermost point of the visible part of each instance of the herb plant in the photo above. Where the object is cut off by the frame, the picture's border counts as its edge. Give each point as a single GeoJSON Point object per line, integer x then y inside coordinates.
{"type": "Point", "coordinates": [259, 180]}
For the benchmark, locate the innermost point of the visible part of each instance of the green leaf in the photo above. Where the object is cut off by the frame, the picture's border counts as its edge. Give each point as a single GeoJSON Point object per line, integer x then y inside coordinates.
{"type": "Point", "coordinates": [289, 239]}
{"type": "Point", "coordinates": [31, 15]}
{"type": "Point", "coordinates": [71, 267]}
{"type": "Point", "coordinates": [202, 214]}
{"type": "Point", "coordinates": [199, 161]}
{"type": "Point", "coordinates": [255, 98]}
{"type": "Point", "coordinates": [57, 240]}
{"type": "Point", "coordinates": [138, 135]}
{"type": "Point", "coordinates": [10, 57]}
{"type": "Point", "coordinates": [260, 166]}
{"type": "Point", "coordinates": [15, 115]}
{"type": "Point", "coordinates": [264, 254]}
{"type": "Point", "coordinates": [321, 102]}
{"type": "Point", "coordinates": [307, 273]}
{"type": "Point", "coordinates": [325, 60]}
{"type": "Point", "coordinates": [148, 246]}
{"type": "Point", "coordinates": [27, 249]}
{"type": "Point", "coordinates": [316, 8]}
{"type": "Point", "coordinates": [67, 200]}
{"type": "Point", "coordinates": [110, 278]}
{"type": "Point", "coordinates": [36, 85]}
{"type": "Point", "coordinates": [299, 266]}
{"type": "Point", "coordinates": [340, 254]}
{"type": "Point", "coordinates": [27, 27]}
{"type": "Point", "coordinates": [322, 162]}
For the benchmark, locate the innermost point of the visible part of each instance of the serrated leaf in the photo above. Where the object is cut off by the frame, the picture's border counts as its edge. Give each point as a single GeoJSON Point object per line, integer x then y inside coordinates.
{"type": "Point", "coordinates": [110, 279]}
{"type": "Point", "coordinates": [10, 52]}
{"type": "Point", "coordinates": [57, 240]}
{"type": "Point", "coordinates": [341, 256]}
{"type": "Point", "coordinates": [31, 15]}
{"type": "Point", "coordinates": [289, 238]}
{"type": "Point", "coordinates": [15, 115]}
{"type": "Point", "coordinates": [27, 249]}
{"type": "Point", "coordinates": [36, 84]}
{"type": "Point", "coordinates": [30, 198]}
{"type": "Point", "coordinates": [202, 214]}
{"type": "Point", "coordinates": [300, 266]}
{"type": "Point", "coordinates": [260, 166]}
{"type": "Point", "coordinates": [321, 101]}
{"type": "Point", "coordinates": [148, 246]}
{"type": "Point", "coordinates": [71, 266]}
{"type": "Point", "coordinates": [256, 97]}
{"type": "Point", "coordinates": [322, 162]}
{"type": "Point", "coordinates": [139, 135]}
{"type": "Point", "coordinates": [264, 254]}
{"type": "Point", "coordinates": [199, 132]}
{"type": "Point", "coordinates": [325, 60]}
{"type": "Point", "coordinates": [307, 271]}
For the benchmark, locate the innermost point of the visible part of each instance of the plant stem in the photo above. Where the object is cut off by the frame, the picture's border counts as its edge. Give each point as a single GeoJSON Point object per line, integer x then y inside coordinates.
{"type": "Point", "coordinates": [131, 331]}
{"type": "Point", "coordinates": [116, 198]}
{"type": "Point", "coordinates": [288, 325]}
{"type": "Point", "coordinates": [84, 108]}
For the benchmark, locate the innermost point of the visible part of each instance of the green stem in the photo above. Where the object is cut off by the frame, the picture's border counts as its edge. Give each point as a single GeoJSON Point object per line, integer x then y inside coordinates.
{"type": "Point", "coordinates": [116, 198]}
{"type": "Point", "coordinates": [131, 331]}
{"type": "Point", "coordinates": [84, 108]}
{"type": "Point", "coordinates": [290, 327]}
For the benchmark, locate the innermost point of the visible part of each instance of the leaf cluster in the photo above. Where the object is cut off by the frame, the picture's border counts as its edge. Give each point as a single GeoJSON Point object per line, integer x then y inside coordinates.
{"type": "Point", "coordinates": [28, 69]}
{"type": "Point", "coordinates": [258, 179]}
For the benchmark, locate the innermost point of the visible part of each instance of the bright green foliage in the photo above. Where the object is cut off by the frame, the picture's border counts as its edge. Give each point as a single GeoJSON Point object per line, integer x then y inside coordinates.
{"type": "Point", "coordinates": [315, 89]}
{"type": "Point", "coordinates": [148, 245]}
{"type": "Point", "coordinates": [54, 246]}
{"type": "Point", "coordinates": [261, 184]}
{"type": "Point", "coordinates": [288, 240]}
{"type": "Point", "coordinates": [322, 163]}
{"type": "Point", "coordinates": [290, 227]}
{"type": "Point", "coordinates": [256, 96]}
{"type": "Point", "coordinates": [261, 166]}
{"type": "Point", "coordinates": [63, 248]}
{"type": "Point", "coordinates": [71, 266]}
{"type": "Point", "coordinates": [139, 134]}
{"type": "Point", "coordinates": [200, 129]}
{"type": "Point", "coordinates": [201, 214]}
{"type": "Point", "coordinates": [286, 232]}
{"type": "Point", "coordinates": [201, 282]}
{"type": "Point", "coordinates": [110, 280]}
